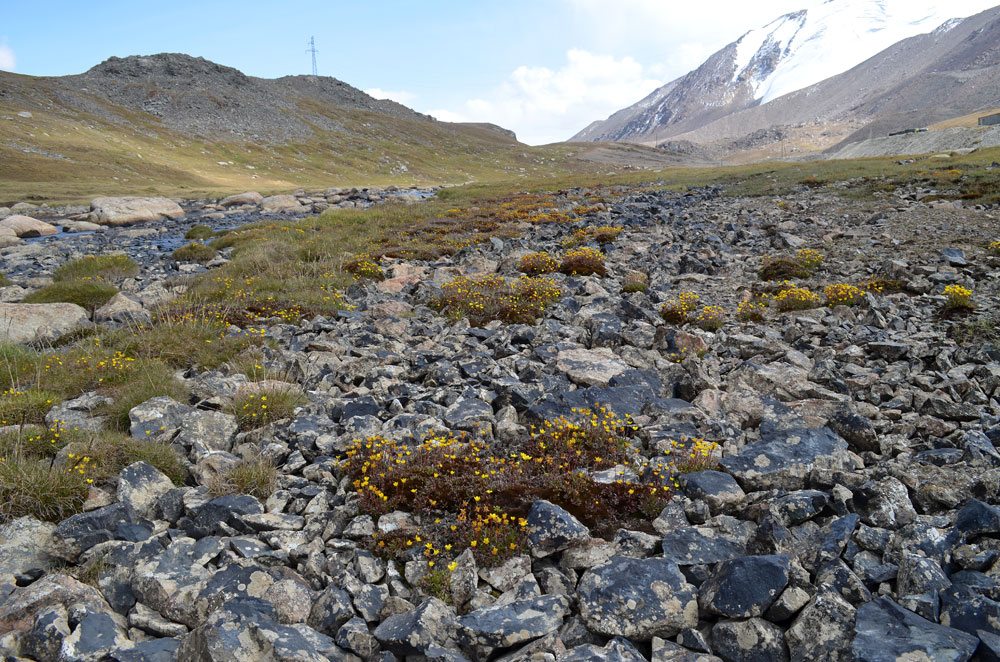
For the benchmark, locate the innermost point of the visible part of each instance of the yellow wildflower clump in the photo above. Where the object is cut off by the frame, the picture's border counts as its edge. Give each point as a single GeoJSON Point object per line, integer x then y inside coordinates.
{"type": "Point", "coordinates": [842, 294]}
{"type": "Point", "coordinates": [795, 298]}
{"type": "Point", "coordinates": [810, 259]}
{"type": "Point", "coordinates": [753, 309]}
{"type": "Point", "coordinates": [534, 264]}
{"type": "Point", "coordinates": [675, 310]}
{"type": "Point", "coordinates": [585, 261]}
{"type": "Point", "coordinates": [710, 318]}
{"type": "Point", "coordinates": [994, 248]}
{"type": "Point", "coordinates": [958, 298]}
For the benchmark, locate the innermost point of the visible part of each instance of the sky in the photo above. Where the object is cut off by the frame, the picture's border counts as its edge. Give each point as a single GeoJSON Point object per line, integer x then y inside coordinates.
{"type": "Point", "coordinates": [543, 68]}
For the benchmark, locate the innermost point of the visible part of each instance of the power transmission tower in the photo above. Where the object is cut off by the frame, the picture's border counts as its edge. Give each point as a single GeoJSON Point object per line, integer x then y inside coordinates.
{"type": "Point", "coordinates": [312, 49]}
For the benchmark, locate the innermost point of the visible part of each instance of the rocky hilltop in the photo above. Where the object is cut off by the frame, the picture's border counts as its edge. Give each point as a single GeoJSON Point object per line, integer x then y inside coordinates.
{"type": "Point", "coordinates": [816, 463]}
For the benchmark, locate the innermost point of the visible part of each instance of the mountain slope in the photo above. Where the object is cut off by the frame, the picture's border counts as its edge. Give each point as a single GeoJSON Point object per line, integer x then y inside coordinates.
{"type": "Point", "coordinates": [793, 52]}
{"type": "Point", "coordinates": [181, 125]}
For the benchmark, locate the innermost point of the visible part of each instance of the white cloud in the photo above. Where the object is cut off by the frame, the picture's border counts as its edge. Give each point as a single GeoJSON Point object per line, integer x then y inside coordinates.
{"type": "Point", "coordinates": [543, 106]}
{"type": "Point", "coordinates": [399, 96]}
{"type": "Point", "coordinates": [7, 60]}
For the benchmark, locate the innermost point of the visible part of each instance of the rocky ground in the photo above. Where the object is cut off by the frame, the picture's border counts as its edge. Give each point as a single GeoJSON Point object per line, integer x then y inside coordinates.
{"type": "Point", "coordinates": [853, 514]}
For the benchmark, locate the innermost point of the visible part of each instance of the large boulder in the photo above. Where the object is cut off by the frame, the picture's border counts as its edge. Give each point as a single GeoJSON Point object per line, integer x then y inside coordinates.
{"type": "Point", "coordinates": [128, 210]}
{"type": "Point", "coordinates": [248, 198]}
{"type": "Point", "coordinates": [39, 322]}
{"type": "Point", "coordinates": [24, 544]}
{"type": "Point", "coordinates": [784, 458]}
{"type": "Point", "coordinates": [25, 226]}
{"type": "Point", "coordinates": [282, 203]}
{"type": "Point", "coordinates": [590, 367]}
{"type": "Point", "coordinates": [637, 598]}
{"type": "Point", "coordinates": [886, 632]}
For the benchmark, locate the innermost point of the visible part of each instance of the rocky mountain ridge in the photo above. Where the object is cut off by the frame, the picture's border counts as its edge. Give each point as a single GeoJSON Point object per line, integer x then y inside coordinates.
{"type": "Point", "coordinates": [856, 484]}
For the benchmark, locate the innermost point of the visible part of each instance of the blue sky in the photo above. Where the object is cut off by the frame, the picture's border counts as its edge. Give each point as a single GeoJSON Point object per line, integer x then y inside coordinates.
{"type": "Point", "coordinates": [544, 68]}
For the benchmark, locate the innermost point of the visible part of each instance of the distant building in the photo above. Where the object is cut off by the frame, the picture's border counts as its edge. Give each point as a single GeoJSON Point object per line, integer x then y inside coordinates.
{"type": "Point", "coordinates": [989, 120]}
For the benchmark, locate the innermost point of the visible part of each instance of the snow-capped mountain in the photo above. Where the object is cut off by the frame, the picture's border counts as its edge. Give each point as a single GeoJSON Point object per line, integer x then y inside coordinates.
{"type": "Point", "coordinates": [790, 53]}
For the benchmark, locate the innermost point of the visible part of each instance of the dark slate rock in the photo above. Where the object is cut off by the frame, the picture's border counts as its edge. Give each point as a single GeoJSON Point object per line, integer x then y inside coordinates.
{"type": "Point", "coordinates": [468, 413]}
{"type": "Point", "coordinates": [616, 650]}
{"type": "Point", "coordinates": [838, 577]}
{"type": "Point", "coordinates": [501, 626]}
{"type": "Point", "coordinates": [752, 640]}
{"type": "Point", "coordinates": [979, 449]}
{"type": "Point", "coordinates": [885, 632]}
{"type": "Point", "coordinates": [744, 587]}
{"type": "Point", "coordinates": [890, 351]}
{"type": "Point", "coordinates": [355, 637]}
{"type": "Point", "coordinates": [141, 485]}
{"type": "Point", "coordinates": [95, 636]}
{"type": "Point", "coordinates": [857, 430]}
{"type": "Point", "coordinates": [331, 610]}
{"type": "Point", "coordinates": [44, 640]}
{"type": "Point", "coordinates": [799, 506]}
{"type": "Point", "coordinates": [919, 574]}
{"type": "Point", "coordinates": [823, 630]}
{"type": "Point", "coordinates": [412, 633]}
{"type": "Point", "coordinates": [78, 533]}
{"type": "Point", "coordinates": [637, 598]}
{"type": "Point", "coordinates": [228, 510]}
{"type": "Point", "coordinates": [836, 537]}
{"type": "Point", "coordinates": [951, 411]}
{"type": "Point", "coordinates": [884, 503]}
{"type": "Point", "coordinates": [552, 529]}
{"type": "Point", "coordinates": [696, 545]}
{"type": "Point", "coordinates": [784, 458]}
{"type": "Point", "coordinates": [716, 488]}
{"type": "Point", "coordinates": [232, 582]}
{"type": "Point", "coordinates": [156, 650]}
{"type": "Point", "coordinates": [969, 611]}
{"type": "Point", "coordinates": [989, 647]}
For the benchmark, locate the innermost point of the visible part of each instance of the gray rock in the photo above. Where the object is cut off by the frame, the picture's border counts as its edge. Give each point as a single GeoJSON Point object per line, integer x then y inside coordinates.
{"type": "Point", "coordinates": [668, 651]}
{"type": "Point", "coordinates": [488, 629]}
{"type": "Point", "coordinates": [122, 307]}
{"type": "Point", "coordinates": [784, 458]}
{"type": "Point", "coordinates": [26, 227]}
{"type": "Point", "coordinates": [697, 545]}
{"type": "Point", "coordinates": [94, 637]}
{"type": "Point", "coordinates": [19, 609]}
{"type": "Point", "coordinates": [248, 198]}
{"type": "Point", "coordinates": [885, 632]}
{"type": "Point", "coordinates": [616, 650]}
{"type": "Point", "coordinates": [432, 623]}
{"type": "Point", "coordinates": [78, 533]}
{"type": "Point", "coordinates": [355, 637]}
{"type": "Point", "coordinates": [744, 587]}
{"type": "Point", "coordinates": [752, 640]}
{"type": "Point", "coordinates": [331, 610]}
{"type": "Point", "coordinates": [919, 574]}
{"type": "Point", "coordinates": [884, 503]}
{"type": "Point", "coordinates": [823, 631]}
{"type": "Point", "coordinates": [128, 210]}
{"type": "Point", "coordinates": [590, 367]}
{"type": "Point", "coordinates": [719, 490]}
{"type": "Point", "coordinates": [856, 429]}
{"type": "Point", "coordinates": [141, 485]}
{"type": "Point", "coordinates": [24, 546]}
{"type": "Point", "coordinates": [159, 415]}
{"type": "Point", "coordinates": [637, 598]}
{"type": "Point", "coordinates": [551, 529]}
{"type": "Point", "coordinates": [39, 322]}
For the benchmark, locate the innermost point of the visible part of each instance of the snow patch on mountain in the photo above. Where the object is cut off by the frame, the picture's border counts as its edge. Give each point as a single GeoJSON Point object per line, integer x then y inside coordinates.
{"type": "Point", "coordinates": [810, 45]}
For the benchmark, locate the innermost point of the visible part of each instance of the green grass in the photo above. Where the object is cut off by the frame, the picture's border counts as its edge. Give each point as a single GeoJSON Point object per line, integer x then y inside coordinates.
{"type": "Point", "coordinates": [194, 252]}
{"type": "Point", "coordinates": [255, 476]}
{"type": "Point", "coordinates": [259, 407]}
{"type": "Point", "coordinates": [110, 452]}
{"type": "Point", "coordinates": [26, 407]}
{"type": "Point", "coordinates": [86, 294]}
{"type": "Point", "coordinates": [107, 268]}
{"type": "Point", "coordinates": [199, 232]}
{"type": "Point", "coordinates": [33, 488]}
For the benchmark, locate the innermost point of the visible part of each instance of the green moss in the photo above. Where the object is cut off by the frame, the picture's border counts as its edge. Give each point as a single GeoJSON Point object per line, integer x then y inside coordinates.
{"type": "Point", "coordinates": [87, 294]}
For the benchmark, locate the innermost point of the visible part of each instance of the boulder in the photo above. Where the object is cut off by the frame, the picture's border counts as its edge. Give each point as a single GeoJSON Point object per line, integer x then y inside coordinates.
{"type": "Point", "coordinates": [822, 631]}
{"type": "Point", "coordinates": [141, 485]}
{"type": "Point", "coordinates": [25, 227]}
{"type": "Point", "coordinates": [18, 610]}
{"type": "Point", "coordinates": [129, 210]}
{"type": "Point", "coordinates": [744, 587]}
{"type": "Point", "coordinates": [885, 632]}
{"type": "Point", "coordinates": [282, 203]}
{"type": "Point", "coordinates": [122, 307]}
{"type": "Point", "coordinates": [24, 544]}
{"type": "Point", "coordinates": [501, 626]}
{"type": "Point", "coordinates": [39, 322]}
{"type": "Point", "coordinates": [752, 640]}
{"type": "Point", "coordinates": [637, 598]}
{"type": "Point", "coordinates": [784, 458]}
{"type": "Point", "coordinates": [590, 367]}
{"type": "Point", "coordinates": [552, 529]}
{"type": "Point", "coordinates": [414, 632]}
{"type": "Point", "coordinates": [247, 198]}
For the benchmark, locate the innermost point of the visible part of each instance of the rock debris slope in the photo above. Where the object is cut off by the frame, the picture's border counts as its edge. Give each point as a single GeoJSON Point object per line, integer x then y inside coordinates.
{"type": "Point", "coordinates": [853, 515]}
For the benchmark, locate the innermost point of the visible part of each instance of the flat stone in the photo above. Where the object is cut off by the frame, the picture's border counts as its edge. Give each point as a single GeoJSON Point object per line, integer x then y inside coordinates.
{"type": "Point", "coordinates": [590, 367]}
{"type": "Point", "coordinates": [784, 458]}
{"type": "Point", "coordinates": [744, 587]}
{"type": "Point", "coordinates": [885, 632]}
{"type": "Point", "coordinates": [128, 210]}
{"type": "Point", "coordinates": [39, 322]}
{"type": "Point", "coordinates": [26, 227]}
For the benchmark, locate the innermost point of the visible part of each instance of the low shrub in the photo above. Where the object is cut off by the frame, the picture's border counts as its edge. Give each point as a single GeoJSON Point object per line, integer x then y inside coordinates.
{"type": "Point", "coordinates": [810, 259]}
{"type": "Point", "coordinates": [255, 408]}
{"type": "Point", "coordinates": [255, 476]}
{"type": "Point", "coordinates": [753, 309]}
{"type": "Point", "coordinates": [605, 234]}
{"type": "Point", "coordinates": [364, 268]}
{"type": "Point", "coordinates": [105, 268]}
{"type": "Point", "coordinates": [675, 309]}
{"type": "Point", "coordinates": [710, 318]}
{"type": "Point", "coordinates": [482, 299]}
{"type": "Point", "coordinates": [86, 294]}
{"type": "Point", "coordinates": [467, 497]}
{"type": "Point", "coordinates": [199, 232]}
{"type": "Point", "coordinates": [994, 248]}
{"type": "Point", "coordinates": [958, 298]}
{"type": "Point", "coordinates": [194, 252]}
{"type": "Point", "coordinates": [883, 285]}
{"type": "Point", "coordinates": [842, 294]}
{"type": "Point", "coordinates": [782, 268]}
{"type": "Point", "coordinates": [635, 282]}
{"type": "Point", "coordinates": [535, 264]}
{"type": "Point", "coordinates": [4, 281]}
{"type": "Point", "coordinates": [584, 261]}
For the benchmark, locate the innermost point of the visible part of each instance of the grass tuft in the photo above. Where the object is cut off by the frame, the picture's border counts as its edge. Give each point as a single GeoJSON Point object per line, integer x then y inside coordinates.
{"type": "Point", "coordinates": [194, 252]}
{"type": "Point", "coordinates": [105, 268]}
{"type": "Point", "coordinates": [88, 295]}
{"type": "Point", "coordinates": [255, 476]}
